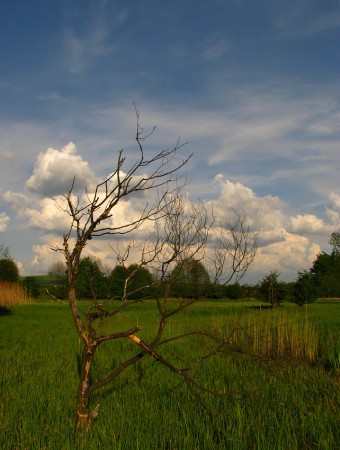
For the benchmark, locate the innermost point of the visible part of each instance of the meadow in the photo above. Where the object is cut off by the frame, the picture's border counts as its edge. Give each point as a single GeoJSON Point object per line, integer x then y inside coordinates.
{"type": "Point", "coordinates": [280, 392]}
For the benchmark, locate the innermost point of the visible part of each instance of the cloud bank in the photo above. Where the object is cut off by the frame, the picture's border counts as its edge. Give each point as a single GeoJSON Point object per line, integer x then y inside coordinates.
{"type": "Point", "coordinates": [286, 242]}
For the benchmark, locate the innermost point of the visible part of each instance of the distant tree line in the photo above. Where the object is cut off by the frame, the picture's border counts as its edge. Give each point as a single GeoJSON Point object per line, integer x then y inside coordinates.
{"type": "Point", "coordinates": [189, 279]}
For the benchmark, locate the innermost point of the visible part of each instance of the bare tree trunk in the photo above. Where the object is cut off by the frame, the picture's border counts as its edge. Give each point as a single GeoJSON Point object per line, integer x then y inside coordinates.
{"type": "Point", "coordinates": [83, 418]}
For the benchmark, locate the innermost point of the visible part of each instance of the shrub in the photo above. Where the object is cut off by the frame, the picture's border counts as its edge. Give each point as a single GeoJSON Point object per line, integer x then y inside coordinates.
{"type": "Point", "coordinates": [8, 270]}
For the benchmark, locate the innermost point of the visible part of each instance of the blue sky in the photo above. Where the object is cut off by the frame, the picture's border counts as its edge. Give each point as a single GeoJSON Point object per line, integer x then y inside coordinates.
{"type": "Point", "coordinates": [252, 85]}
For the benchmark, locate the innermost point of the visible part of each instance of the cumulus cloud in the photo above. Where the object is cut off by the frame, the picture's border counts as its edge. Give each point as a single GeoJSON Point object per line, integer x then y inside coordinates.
{"type": "Point", "coordinates": [307, 223]}
{"type": "Point", "coordinates": [44, 256]}
{"type": "Point", "coordinates": [334, 211]}
{"type": "Point", "coordinates": [335, 199]}
{"type": "Point", "coordinates": [55, 170]}
{"type": "Point", "coordinates": [50, 214]}
{"type": "Point", "coordinates": [285, 243]}
{"type": "Point", "coordinates": [4, 219]}
{"type": "Point", "coordinates": [294, 251]}
{"type": "Point", "coordinates": [263, 213]}
{"type": "Point", "coordinates": [281, 245]}
{"type": "Point", "coordinates": [334, 216]}
{"type": "Point", "coordinates": [45, 215]}
{"type": "Point", "coordinates": [18, 202]}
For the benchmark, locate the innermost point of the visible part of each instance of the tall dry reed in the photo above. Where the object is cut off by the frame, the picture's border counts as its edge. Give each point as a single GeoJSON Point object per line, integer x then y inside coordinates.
{"type": "Point", "coordinates": [276, 334]}
{"type": "Point", "coordinates": [12, 294]}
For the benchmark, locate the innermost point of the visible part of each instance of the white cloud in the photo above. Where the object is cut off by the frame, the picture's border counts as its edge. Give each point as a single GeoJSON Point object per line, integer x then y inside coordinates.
{"type": "Point", "coordinates": [334, 216]}
{"type": "Point", "coordinates": [285, 243]}
{"type": "Point", "coordinates": [18, 202]}
{"type": "Point", "coordinates": [4, 219]}
{"type": "Point", "coordinates": [55, 170]}
{"type": "Point", "coordinates": [335, 199]}
{"type": "Point", "coordinates": [307, 223]}
{"type": "Point", "coordinates": [294, 253]}
{"type": "Point", "coordinates": [278, 234]}
{"type": "Point", "coordinates": [263, 213]}
{"type": "Point", "coordinates": [286, 251]}
{"type": "Point", "coordinates": [44, 256]}
{"type": "Point", "coordinates": [334, 212]}
{"type": "Point", "coordinates": [45, 216]}
{"type": "Point", "coordinates": [50, 214]}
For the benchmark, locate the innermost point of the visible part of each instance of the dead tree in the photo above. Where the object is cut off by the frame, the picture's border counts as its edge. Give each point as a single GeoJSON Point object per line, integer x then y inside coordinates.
{"type": "Point", "coordinates": [96, 217]}
{"type": "Point", "coordinates": [235, 250]}
{"type": "Point", "coordinates": [180, 232]}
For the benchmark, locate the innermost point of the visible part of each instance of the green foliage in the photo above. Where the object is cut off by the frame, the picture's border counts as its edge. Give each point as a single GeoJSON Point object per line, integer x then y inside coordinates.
{"type": "Point", "coordinates": [230, 291]}
{"type": "Point", "coordinates": [334, 241]}
{"type": "Point", "coordinates": [305, 290]}
{"type": "Point", "coordinates": [326, 272]}
{"type": "Point", "coordinates": [8, 270]}
{"type": "Point", "coordinates": [57, 281]}
{"type": "Point", "coordinates": [91, 280]}
{"type": "Point", "coordinates": [31, 286]}
{"type": "Point", "coordinates": [190, 279]}
{"type": "Point", "coordinates": [323, 279]}
{"type": "Point", "coordinates": [116, 281]}
{"type": "Point", "coordinates": [233, 291]}
{"type": "Point", "coordinates": [271, 289]}
{"type": "Point", "coordinates": [141, 284]}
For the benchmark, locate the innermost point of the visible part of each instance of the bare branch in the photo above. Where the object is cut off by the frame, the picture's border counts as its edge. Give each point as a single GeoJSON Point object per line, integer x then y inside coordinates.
{"type": "Point", "coordinates": [235, 250]}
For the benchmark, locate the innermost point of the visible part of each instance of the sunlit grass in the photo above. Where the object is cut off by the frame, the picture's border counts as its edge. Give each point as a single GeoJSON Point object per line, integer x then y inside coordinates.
{"type": "Point", "coordinates": [278, 399]}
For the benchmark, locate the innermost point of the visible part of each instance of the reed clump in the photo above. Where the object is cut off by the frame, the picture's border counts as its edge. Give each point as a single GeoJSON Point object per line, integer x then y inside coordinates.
{"type": "Point", "coordinates": [12, 294]}
{"type": "Point", "coordinates": [276, 334]}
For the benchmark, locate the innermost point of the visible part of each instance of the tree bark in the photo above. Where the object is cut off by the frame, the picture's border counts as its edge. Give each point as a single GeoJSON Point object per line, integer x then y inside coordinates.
{"type": "Point", "coordinates": [83, 417]}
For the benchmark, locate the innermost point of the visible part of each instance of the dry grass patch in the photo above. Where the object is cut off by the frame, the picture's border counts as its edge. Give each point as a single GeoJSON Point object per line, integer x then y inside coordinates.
{"type": "Point", "coordinates": [12, 294]}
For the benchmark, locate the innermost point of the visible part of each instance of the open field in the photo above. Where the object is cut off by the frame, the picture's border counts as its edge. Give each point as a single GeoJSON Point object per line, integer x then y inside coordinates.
{"type": "Point", "coordinates": [284, 393]}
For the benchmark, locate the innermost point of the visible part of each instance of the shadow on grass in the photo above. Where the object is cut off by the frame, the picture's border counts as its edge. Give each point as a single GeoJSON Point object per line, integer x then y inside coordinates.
{"type": "Point", "coordinates": [261, 307]}
{"type": "Point", "coordinates": [5, 311]}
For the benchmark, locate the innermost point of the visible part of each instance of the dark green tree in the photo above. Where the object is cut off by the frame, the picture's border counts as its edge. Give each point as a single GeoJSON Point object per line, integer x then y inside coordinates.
{"type": "Point", "coordinates": [233, 291]}
{"type": "Point", "coordinates": [190, 279]}
{"type": "Point", "coordinates": [31, 286]}
{"type": "Point", "coordinates": [305, 289]}
{"type": "Point", "coordinates": [326, 272]}
{"type": "Point", "coordinates": [9, 270]}
{"type": "Point", "coordinates": [271, 289]}
{"type": "Point", "coordinates": [141, 283]}
{"type": "Point", "coordinates": [91, 280]}
{"type": "Point", "coordinates": [116, 281]}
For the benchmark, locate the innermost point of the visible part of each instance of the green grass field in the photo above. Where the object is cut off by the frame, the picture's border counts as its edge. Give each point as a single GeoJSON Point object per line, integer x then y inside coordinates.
{"type": "Point", "coordinates": [282, 394]}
